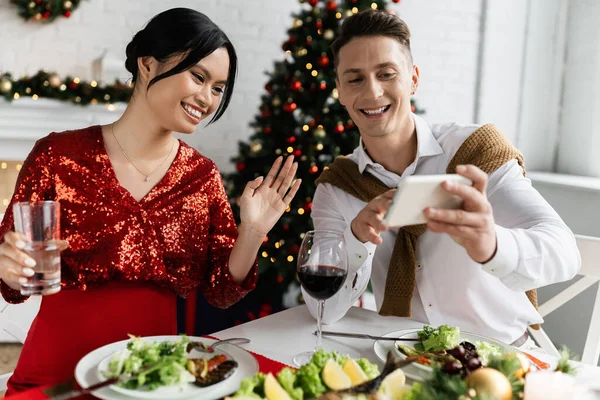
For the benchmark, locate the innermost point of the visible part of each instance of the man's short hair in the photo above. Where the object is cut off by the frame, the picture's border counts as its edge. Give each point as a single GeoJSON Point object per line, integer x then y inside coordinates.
{"type": "Point", "coordinates": [372, 23]}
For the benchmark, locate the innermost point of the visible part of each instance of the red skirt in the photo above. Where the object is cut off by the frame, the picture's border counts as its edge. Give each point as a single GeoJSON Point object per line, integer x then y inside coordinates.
{"type": "Point", "coordinates": [72, 323]}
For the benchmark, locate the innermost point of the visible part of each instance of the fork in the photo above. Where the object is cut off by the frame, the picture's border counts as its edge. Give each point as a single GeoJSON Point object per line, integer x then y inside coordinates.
{"type": "Point", "coordinates": [202, 347]}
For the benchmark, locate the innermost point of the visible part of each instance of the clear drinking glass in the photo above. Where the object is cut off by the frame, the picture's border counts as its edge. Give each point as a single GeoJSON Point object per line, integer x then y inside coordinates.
{"type": "Point", "coordinates": [322, 269]}
{"type": "Point", "coordinates": [39, 223]}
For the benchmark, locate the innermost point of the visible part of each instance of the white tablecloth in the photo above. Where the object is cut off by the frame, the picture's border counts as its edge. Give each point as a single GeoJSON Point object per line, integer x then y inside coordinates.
{"type": "Point", "coordinates": [280, 336]}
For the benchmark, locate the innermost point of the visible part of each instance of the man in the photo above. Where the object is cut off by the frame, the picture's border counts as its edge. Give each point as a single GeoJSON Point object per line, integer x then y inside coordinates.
{"type": "Point", "coordinates": [475, 268]}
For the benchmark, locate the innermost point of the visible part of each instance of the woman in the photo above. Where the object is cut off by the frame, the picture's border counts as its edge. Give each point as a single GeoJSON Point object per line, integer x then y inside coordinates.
{"type": "Point", "coordinates": [145, 216]}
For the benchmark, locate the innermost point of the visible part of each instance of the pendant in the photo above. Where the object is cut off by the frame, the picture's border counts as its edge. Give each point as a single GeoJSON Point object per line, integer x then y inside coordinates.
{"type": "Point", "coordinates": [147, 179]}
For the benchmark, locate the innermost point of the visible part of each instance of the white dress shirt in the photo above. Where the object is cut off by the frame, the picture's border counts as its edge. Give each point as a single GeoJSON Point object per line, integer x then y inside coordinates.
{"type": "Point", "coordinates": [535, 247]}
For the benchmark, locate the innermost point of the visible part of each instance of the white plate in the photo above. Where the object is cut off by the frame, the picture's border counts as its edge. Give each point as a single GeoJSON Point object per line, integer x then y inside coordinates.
{"type": "Point", "coordinates": [166, 392]}
{"type": "Point", "coordinates": [383, 347]}
{"type": "Point", "coordinates": [87, 373]}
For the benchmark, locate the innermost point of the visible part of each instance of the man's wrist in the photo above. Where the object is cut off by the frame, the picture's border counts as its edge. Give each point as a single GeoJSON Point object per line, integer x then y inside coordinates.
{"type": "Point", "coordinates": [354, 232]}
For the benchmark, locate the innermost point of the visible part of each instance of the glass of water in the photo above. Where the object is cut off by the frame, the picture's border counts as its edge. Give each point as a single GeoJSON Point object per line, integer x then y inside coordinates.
{"type": "Point", "coordinates": [39, 223]}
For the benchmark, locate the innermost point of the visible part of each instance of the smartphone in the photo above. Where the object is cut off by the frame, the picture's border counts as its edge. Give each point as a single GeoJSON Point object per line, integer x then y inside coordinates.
{"type": "Point", "coordinates": [417, 192]}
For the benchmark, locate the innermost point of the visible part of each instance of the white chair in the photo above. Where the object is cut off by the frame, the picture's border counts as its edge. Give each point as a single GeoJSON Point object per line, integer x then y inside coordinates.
{"type": "Point", "coordinates": [589, 247]}
{"type": "Point", "coordinates": [15, 321]}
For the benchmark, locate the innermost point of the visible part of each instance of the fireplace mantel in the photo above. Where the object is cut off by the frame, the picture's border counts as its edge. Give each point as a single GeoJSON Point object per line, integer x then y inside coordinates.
{"type": "Point", "coordinates": [24, 121]}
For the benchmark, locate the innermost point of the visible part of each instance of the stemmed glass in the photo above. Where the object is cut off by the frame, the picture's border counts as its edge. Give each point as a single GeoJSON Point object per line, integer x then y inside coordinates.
{"type": "Point", "coordinates": [322, 269]}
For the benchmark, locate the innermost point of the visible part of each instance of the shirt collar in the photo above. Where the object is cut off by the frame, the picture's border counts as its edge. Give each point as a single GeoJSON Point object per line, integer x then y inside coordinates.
{"type": "Point", "coordinates": [427, 145]}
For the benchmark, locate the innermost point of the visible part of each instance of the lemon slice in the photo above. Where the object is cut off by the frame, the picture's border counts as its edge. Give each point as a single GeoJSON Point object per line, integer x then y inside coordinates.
{"type": "Point", "coordinates": [334, 376]}
{"type": "Point", "coordinates": [355, 372]}
{"type": "Point", "coordinates": [394, 385]}
{"type": "Point", "coordinates": [273, 389]}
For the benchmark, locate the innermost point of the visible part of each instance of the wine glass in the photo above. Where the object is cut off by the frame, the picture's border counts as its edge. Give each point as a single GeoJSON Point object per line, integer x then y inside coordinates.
{"type": "Point", "coordinates": [322, 270]}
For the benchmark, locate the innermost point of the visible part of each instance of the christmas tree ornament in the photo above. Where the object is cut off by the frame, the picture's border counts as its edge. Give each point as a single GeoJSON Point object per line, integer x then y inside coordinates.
{"type": "Point", "coordinates": [290, 106]}
{"type": "Point", "coordinates": [54, 80]}
{"type": "Point", "coordinates": [319, 133]}
{"type": "Point", "coordinates": [301, 52]}
{"type": "Point", "coordinates": [296, 85]}
{"type": "Point", "coordinates": [256, 146]}
{"type": "Point", "coordinates": [276, 101]}
{"type": "Point", "coordinates": [5, 86]}
{"type": "Point", "coordinates": [331, 6]}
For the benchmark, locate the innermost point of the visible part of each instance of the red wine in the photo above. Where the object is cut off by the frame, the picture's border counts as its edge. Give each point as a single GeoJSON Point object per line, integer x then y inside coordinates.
{"type": "Point", "coordinates": [321, 281]}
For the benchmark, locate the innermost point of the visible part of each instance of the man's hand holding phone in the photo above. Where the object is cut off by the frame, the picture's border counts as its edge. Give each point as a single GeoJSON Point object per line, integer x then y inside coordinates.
{"type": "Point", "coordinates": [453, 204]}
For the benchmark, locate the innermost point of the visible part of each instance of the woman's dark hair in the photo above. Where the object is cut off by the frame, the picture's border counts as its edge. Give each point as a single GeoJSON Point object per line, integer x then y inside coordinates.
{"type": "Point", "coordinates": [186, 32]}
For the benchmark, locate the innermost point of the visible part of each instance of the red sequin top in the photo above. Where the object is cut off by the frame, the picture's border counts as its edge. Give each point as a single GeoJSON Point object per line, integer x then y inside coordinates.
{"type": "Point", "coordinates": [179, 236]}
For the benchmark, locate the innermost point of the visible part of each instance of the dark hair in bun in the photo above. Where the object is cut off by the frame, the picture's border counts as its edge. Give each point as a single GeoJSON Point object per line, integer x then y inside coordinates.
{"type": "Point", "coordinates": [182, 31]}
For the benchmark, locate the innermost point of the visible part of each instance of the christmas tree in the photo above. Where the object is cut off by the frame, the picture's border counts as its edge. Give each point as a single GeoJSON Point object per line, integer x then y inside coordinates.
{"type": "Point", "coordinates": [300, 115]}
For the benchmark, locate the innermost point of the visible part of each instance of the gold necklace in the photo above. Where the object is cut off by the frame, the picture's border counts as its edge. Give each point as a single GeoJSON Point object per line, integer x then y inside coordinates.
{"type": "Point", "coordinates": [147, 176]}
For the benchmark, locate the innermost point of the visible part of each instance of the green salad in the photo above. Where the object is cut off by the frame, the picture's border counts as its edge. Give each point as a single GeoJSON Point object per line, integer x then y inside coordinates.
{"type": "Point", "coordinates": [148, 365]}
{"type": "Point", "coordinates": [438, 345]}
{"type": "Point", "coordinates": [310, 380]}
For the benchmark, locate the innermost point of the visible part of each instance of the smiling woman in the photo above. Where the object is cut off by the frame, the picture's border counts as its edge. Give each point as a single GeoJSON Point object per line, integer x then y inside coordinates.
{"type": "Point", "coordinates": [144, 216]}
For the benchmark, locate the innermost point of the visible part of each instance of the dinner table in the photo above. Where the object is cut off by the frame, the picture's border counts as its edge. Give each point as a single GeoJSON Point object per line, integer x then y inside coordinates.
{"type": "Point", "coordinates": [275, 339]}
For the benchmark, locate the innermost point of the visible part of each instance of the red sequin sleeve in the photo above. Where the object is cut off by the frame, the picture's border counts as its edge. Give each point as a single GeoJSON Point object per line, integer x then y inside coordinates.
{"type": "Point", "coordinates": [33, 183]}
{"type": "Point", "coordinates": [219, 288]}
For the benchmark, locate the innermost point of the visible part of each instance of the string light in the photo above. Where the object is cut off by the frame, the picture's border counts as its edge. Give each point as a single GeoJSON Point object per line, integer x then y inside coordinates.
{"type": "Point", "coordinates": [290, 258]}
{"type": "Point", "coordinates": [290, 149]}
{"type": "Point", "coordinates": [301, 211]}
{"type": "Point", "coordinates": [277, 245]}
{"type": "Point", "coordinates": [35, 97]}
{"type": "Point", "coordinates": [16, 96]}
{"type": "Point", "coordinates": [4, 165]}
{"type": "Point", "coordinates": [308, 66]}
{"type": "Point", "coordinates": [5, 202]}
{"type": "Point", "coordinates": [305, 128]}
{"type": "Point", "coordinates": [93, 83]}
{"type": "Point", "coordinates": [314, 73]}
{"type": "Point", "coordinates": [354, 10]}
{"type": "Point", "coordinates": [374, 6]}
{"type": "Point", "coordinates": [265, 254]}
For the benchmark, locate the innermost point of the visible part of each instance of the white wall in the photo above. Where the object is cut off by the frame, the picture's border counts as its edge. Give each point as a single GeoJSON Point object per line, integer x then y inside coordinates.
{"type": "Point", "coordinates": [580, 125]}
{"type": "Point", "coordinates": [445, 43]}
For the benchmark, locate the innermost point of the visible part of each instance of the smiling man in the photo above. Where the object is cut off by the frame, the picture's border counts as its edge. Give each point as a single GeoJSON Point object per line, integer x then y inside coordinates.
{"type": "Point", "coordinates": [476, 268]}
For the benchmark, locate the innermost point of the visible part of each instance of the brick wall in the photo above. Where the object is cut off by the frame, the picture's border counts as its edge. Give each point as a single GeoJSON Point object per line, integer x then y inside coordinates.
{"type": "Point", "coordinates": [445, 43]}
